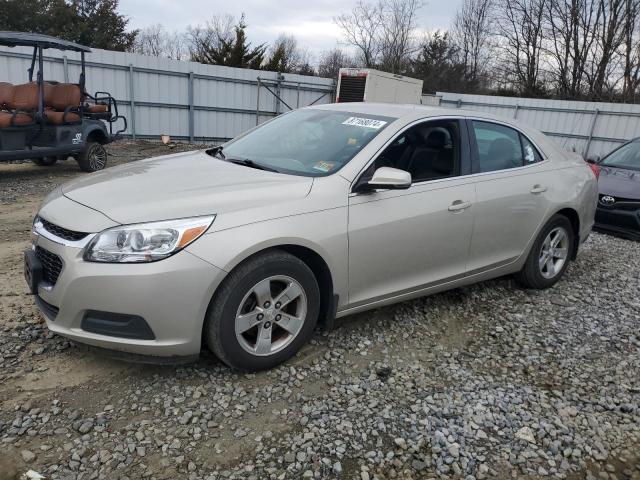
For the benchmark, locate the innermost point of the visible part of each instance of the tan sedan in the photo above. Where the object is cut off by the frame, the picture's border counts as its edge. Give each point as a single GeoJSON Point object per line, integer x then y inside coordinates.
{"type": "Point", "coordinates": [317, 214]}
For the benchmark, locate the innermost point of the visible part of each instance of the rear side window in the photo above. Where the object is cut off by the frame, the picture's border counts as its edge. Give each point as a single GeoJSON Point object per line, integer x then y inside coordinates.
{"type": "Point", "coordinates": [500, 147]}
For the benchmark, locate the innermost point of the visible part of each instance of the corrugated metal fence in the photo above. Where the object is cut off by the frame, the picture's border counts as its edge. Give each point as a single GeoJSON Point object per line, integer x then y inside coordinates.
{"type": "Point", "coordinates": [589, 128]}
{"type": "Point", "coordinates": [187, 100]}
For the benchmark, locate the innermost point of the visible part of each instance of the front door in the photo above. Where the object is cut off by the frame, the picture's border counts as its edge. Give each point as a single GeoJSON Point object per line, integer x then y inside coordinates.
{"type": "Point", "coordinates": [401, 240]}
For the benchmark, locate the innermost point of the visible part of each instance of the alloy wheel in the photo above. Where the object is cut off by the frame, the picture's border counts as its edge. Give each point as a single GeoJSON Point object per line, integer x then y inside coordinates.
{"type": "Point", "coordinates": [97, 157]}
{"type": "Point", "coordinates": [271, 315]}
{"type": "Point", "coordinates": [554, 252]}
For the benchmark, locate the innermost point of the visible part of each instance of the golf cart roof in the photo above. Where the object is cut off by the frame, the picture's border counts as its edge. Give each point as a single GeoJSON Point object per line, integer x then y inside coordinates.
{"type": "Point", "coordinates": [12, 39]}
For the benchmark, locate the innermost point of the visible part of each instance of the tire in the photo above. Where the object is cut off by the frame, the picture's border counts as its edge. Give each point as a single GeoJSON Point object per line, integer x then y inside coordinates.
{"type": "Point", "coordinates": [237, 297]}
{"type": "Point", "coordinates": [45, 161]}
{"type": "Point", "coordinates": [93, 158]}
{"type": "Point", "coordinates": [539, 274]}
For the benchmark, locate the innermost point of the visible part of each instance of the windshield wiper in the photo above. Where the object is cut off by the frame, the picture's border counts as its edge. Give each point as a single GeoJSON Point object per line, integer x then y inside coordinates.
{"type": "Point", "coordinates": [250, 163]}
{"type": "Point", "coordinates": [216, 152]}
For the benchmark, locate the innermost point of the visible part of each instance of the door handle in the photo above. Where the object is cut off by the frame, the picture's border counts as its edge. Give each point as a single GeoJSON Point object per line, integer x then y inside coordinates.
{"type": "Point", "coordinates": [538, 189]}
{"type": "Point", "coordinates": [459, 205]}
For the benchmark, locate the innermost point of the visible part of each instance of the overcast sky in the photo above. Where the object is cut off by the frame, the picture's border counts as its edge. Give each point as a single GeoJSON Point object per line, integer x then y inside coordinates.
{"type": "Point", "coordinates": [310, 21]}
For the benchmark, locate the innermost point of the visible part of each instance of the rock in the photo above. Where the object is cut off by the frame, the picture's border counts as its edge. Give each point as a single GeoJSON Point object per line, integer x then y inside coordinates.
{"type": "Point", "coordinates": [85, 427]}
{"type": "Point", "coordinates": [401, 443]}
{"type": "Point", "coordinates": [526, 434]}
{"type": "Point", "coordinates": [28, 456]}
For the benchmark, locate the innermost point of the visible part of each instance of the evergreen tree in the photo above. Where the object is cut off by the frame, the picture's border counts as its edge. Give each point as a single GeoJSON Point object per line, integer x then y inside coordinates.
{"type": "Point", "coordinates": [234, 51]}
{"type": "Point", "coordinates": [94, 23]}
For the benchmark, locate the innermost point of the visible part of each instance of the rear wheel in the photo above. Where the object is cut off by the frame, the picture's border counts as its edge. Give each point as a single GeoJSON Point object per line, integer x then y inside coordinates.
{"type": "Point", "coordinates": [550, 254]}
{"type": "Point", "coordinates": [264, 312]}
{"type": "Point", "coordinates": [93, 157]}
{"type": "Point", "coordinates": [45, 161]}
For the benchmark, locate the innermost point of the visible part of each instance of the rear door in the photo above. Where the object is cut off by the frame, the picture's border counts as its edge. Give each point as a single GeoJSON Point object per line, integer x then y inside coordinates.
{"type": "Point", "coordinates": [512, 193]}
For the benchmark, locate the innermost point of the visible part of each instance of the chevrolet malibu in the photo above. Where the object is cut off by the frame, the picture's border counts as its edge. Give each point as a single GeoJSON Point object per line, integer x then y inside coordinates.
{"type": "Point", "coordinates": [317, 214]}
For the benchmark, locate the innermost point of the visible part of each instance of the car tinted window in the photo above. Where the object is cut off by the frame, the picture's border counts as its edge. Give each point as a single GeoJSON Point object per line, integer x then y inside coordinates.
{"type": "Point", "coordinates": [308, 142]}
{"type": "Point", "coordinates": [499, 147]}
{"type": "Point", "coordinates": [428, 151]}
{"type": "Point", "coordinates": [627, 156]}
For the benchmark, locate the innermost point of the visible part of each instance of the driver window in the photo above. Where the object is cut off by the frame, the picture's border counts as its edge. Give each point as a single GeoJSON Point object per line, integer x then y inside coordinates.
{"type": "Point", "coordinates": [428, 151]}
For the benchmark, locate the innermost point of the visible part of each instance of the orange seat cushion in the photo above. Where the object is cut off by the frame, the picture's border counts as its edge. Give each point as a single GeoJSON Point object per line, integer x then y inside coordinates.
{"type": "Point", "coordinates": [8, 120]}
{"type": "Point", "coordinates": [6, 93]}
{"type": "Point", "coordinates": [99, 108]}
{"type": "Point", "coordinates": [63, 95]}
{"type": "Point", "coordinates": [58, 118]}
{"type": "Point", "coordinates": [25, 97]}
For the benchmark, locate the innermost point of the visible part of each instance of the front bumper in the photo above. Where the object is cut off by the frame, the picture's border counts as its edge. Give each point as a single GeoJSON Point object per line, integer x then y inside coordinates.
{"type": "Point", "coordinates": [171, 295]}
{"type": "Point", "coordinates": [619, 220]}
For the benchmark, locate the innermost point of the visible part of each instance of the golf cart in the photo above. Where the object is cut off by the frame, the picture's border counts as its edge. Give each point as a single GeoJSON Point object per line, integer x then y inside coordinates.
{"type": "Point", "coordinates": [47, 121]}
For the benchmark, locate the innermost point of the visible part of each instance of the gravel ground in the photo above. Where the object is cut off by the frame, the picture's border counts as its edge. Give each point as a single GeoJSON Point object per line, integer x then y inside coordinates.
{"type": "Point", "coordinates": [489, 381]}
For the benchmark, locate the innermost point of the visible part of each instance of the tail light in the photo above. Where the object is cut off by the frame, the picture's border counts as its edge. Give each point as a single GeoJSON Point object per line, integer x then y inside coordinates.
{"type": "Point", "coordinates": [595, 169]}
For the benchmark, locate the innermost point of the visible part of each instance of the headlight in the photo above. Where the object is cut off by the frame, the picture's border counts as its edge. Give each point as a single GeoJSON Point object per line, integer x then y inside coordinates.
{"type": "Point", "coordinates": [145, 242]}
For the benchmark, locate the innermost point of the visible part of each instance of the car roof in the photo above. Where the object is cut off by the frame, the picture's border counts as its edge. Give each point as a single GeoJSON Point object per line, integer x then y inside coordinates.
{"type": "Point", "coordinates": [13, 39]}
{"type": "Point", "coordinates": [399, 110]}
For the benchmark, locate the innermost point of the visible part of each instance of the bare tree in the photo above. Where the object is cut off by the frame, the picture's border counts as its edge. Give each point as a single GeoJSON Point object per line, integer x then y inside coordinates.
{"type": "Point", "coordinates": [520, 26]}
{"type": "Point", "coordinates": [472, 32]}
{"type": "Point", "coordinates": [382, 32]}
{"type": "Point", "coordinates": [156, 41]}
{"type": "Point", "coordinates": [397, 42]}
{"type": "Point", "coordinates": [570, 41]}
{"type": "Point", "coordinates": [361, 29]}
{"type": "Point", "coordinates": [211, 35]}
{"type": "Point", "coordinates": [610, 37]}
{"type": "Point", "coordinates": [331, 61]}
{"type": "Point", "coordinates": [631, 74]}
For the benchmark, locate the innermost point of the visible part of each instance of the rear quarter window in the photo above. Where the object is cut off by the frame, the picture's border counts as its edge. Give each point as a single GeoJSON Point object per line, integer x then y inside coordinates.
{"type": "Point", "coordinates": [499, 147]}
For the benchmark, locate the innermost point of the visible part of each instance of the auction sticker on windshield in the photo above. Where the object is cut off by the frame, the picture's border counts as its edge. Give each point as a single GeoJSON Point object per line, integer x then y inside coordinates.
{"type": "Point", "coordinates": [324, 166]}
{"type": "Point", "coordinates": [365, 122]}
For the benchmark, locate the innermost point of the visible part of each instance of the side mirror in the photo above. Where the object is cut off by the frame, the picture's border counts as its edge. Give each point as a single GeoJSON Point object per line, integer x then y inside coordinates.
{"type": "Point", "coordinates": [593, 159]}
{"type": "Point", "coordinates": [390, 178]}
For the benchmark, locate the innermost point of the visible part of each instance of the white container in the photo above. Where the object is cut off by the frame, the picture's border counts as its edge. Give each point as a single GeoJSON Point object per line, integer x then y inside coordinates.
{"type": "Point", "coordinates": [369, 85]}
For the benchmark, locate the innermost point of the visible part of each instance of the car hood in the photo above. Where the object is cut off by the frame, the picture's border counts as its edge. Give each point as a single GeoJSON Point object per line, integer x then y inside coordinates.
{"type": "Point", "coordinates": [182, 185]}
{"type": "Point", "coordinates": [619, 182]}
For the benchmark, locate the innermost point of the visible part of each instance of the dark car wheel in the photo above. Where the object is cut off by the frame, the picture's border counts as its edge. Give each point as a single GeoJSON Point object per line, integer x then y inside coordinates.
{"type": "Point", "coordinates": [45, 161]}
{"type": "Point", "coordinates": [93, 157]}
{"type": "Point", "coordinates": [264, 312]}
{"type": "Point", "coordinates": [550, 254]}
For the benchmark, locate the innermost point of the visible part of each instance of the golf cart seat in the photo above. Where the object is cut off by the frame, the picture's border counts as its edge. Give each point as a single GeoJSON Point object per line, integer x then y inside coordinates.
{"type": "Point", "coordinates": [19, 103]}
{"type": "Point", "coordinates": [6, 93]}
{"type": "Point", "coordinates": [15, 119]}
{"type": "Point", "coordinates": [97, 108]}
{"type": "Point", "coordinates": [62, 103]}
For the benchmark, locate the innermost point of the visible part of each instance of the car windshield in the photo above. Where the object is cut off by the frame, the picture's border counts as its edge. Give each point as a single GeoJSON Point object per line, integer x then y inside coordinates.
{"type": "Point", "coordinates": [627, 156]}
{"type": "Point", "coordinates": [308, 142]}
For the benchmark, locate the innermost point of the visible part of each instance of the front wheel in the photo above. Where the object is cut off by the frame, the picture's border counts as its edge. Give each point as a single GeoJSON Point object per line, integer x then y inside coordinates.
{"type": "Point", "coordinates": [93, 157]}
{"type": "Point", "coordinates": [45, 161]}
{"type": "Point", "coordinates": [264, 312]}
{"type": "Point", "coordinates": [550, 254]}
